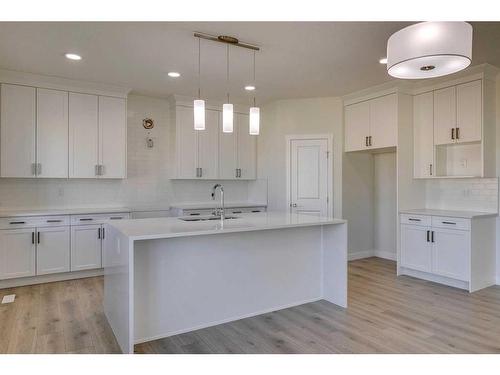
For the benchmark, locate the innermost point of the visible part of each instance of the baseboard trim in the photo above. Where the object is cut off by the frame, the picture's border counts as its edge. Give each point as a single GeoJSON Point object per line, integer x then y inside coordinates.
{"type": "Point", "coordinates": [32, 280]}
{"type": "Point", "coordinates": [372, 253]}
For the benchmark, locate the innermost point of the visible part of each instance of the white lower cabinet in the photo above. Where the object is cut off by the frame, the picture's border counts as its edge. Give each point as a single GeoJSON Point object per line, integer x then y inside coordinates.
{"type": "Point", "coordinates": [17, 253]}
{"type": "Point", "coordinates": [454, 251]}
{"type": "Point", "coordinates": [86, 249]}
{"type": "Point", "coordinates": [416, 249]}
{"type": "Point", "coordinates": [451, 253]}
{"type": "Point", "coordinates": [52, 255]}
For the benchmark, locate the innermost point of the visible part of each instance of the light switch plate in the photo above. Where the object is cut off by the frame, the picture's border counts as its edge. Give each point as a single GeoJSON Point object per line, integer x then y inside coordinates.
{"type": "Point", "coordinates": [9, 298]}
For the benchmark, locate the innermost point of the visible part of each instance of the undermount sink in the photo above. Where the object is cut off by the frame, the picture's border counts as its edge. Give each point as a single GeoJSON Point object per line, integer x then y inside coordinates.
{"type": "Point", "coordinates": [206, 218]}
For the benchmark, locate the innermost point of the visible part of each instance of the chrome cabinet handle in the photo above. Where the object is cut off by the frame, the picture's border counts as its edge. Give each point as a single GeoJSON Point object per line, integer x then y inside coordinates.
{"type": "Point", "coordinates": [38, 237]}
{"type": "Point", "coordinates": [432, 236]}
{"type": "Point", "coordinates": [457, 133]}
{"type": "Point", "coordinates": [39, 169]}
{"type": "Point", "coordinates": [99, 233]}
{"type": "Point", "coordinates": [17, 222]}
{"type": "Point", "coordinates": [452, 133]}
{"type": "Point", "coordinates": [369, 140]}
{"type": "Point", "coordinates": [366, 141]}
{"type": "Point", "coordinates": [103, 233]}
{"type": "Point", "coordinates": [33, 238]}
{"type": "Point", "coordinates": [430, 169]}
{"type": "Point", "coordinates": [236, 171]}
{"type": "Point", "coordinates": [428, 234]}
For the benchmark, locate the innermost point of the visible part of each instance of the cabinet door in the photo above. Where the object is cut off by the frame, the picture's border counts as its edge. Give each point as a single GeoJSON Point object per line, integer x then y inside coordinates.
{"type": "Point", "coordinates": [17, 124]}
{"type": "Point", "coordinates": [83, 135]}
{"type": "Point", "coordinates": [247, 149]}
{"type": "Point", "coordinates": [113, 137]}
{"type": "Point", "coordinates": [357, 126]}
{"type": "Point", "coordinates": [423, 135]}
{"type": "Point", "coordinates": [52, 250]}
{"type": "Point", "coordinates": [85, 247]}
{"type": "Point", "coordinates": [445, 108]}
{"type": "Point", "coordinates": [416, 251]}
{"type": "Point", "coordinates": [469, 111]}
{"type": "Point", "coordinates": [208, 146]}
{"type": "Point", "coordinates": [384, 121]}
{"type": "Point", "coordinates": [17, 253]}
{"type": "Point", "coordinates": [451, 253]}
{"type": "Point", "coordinates": [52, 133]}
{"type": "Point", "coordinates": [186, 143]}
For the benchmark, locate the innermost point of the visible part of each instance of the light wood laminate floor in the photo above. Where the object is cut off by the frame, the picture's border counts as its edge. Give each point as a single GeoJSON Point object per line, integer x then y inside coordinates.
{"type": "Point", "coordinates": [386, 314]}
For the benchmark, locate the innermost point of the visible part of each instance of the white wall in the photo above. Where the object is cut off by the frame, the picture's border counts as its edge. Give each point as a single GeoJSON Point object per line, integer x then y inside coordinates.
{"type": "Point", "coordinates": [385, 207]}
{"type": "Point", "coordinates": [298, 116]}
{"type": "Point", "coordinates": [147, 184]}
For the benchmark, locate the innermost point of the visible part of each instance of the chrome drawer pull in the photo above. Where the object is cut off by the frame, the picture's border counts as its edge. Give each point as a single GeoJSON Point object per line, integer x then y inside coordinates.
{"type": "Point", "coordinates": [448, 222]}
{"type": "Point", "coordinates": [411, 219]}
{"type": "Point", "coordinates": [54, 221]}
{"type": "Point", "coordinates": [194, 214]}
{"type": "Point", "coordinates": [86, 219]}
{"type": "Point", "coordinates": [17, 222]}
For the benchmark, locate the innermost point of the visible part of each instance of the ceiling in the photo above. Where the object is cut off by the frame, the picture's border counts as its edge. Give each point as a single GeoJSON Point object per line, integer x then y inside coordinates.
{"type": "Point", "coordinates": [298, 59]}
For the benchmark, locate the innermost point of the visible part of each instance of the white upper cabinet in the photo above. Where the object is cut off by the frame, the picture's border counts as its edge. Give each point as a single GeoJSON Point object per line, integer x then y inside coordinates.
{"type": "Point", "coordinates": [210, 153]}
{"type": "Point", "coordinates": [246, 149]}
{"type": "Point", "coordinates": [384, 121]}
{"type": "Point", "coordinates": [423, 140]}
{"type": "Point", "coordinates": [469, 112]}
{"type": "Point", "coordinates": [112, 137]}
{"type": "Point", "coordinates": [372, 124]}
{"type": "Point", "coordinates": [52, 133]}
{"type": "Point", "coordinates": [17, 125]}
{"type": "Point", "coordinates": [208, 146]}
{"type": "Point", "coordinates": [445, 115]}
{"type": "Point", "coordinates": [83, 135]}
{"type": "Point", "coordinates": [357, 126]}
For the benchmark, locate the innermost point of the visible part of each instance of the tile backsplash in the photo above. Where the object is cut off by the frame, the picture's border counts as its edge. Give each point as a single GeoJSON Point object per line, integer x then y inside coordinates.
{"type": "Point", "coordinates": [477, 194]}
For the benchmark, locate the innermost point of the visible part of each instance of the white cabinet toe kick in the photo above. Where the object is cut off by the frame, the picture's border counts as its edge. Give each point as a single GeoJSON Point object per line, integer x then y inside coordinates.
{"type": "Point", "coordinates": [454, 251]}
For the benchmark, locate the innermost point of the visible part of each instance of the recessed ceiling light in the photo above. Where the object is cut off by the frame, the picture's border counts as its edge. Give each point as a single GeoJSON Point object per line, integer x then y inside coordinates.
{"type": "Point", "coordinates": [383, 61]}
{"type": "Point", "coordinates": [174, 74]}
{"type": "Point", "coordinates": [73, 56]}
{"type": "Point", "coordinates": [250, 88]}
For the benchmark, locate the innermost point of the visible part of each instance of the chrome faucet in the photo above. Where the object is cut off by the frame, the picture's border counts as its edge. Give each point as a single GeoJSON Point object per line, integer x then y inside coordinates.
{"type": "Point", "coordinates": [220, 210]}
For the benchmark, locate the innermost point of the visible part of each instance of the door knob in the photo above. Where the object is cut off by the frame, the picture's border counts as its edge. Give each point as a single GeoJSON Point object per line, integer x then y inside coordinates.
{"type": "Point", "coordinates": [294, 205]}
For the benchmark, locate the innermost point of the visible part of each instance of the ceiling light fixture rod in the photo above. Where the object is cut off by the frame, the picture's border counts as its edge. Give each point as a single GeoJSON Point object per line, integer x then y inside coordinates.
{"type": "Point", "coordinates": [226, 40]}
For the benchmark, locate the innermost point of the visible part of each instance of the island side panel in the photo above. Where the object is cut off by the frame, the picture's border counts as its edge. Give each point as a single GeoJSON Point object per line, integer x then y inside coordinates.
{"type": "Point", "coordinates": [188, 283]}
{"type": "Point", "coordinates": [335, 263]}
{"type": "Point", "coordinates": [117, 257]}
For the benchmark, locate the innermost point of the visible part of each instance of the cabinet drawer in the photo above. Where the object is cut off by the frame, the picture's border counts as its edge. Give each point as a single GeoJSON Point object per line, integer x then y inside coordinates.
{"type": "Point", "coordinates": [450, 222]}
{"type": "Point", "coordinates": [18, 222]}
{"type": "Point", "coordinates": [421, 220]}
{"type": "Point", "coordinates": [97, 218]}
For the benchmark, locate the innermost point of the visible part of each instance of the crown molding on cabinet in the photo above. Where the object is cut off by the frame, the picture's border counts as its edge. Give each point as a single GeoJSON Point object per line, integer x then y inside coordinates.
{"type": "Point", "coordinates": [59, 83]}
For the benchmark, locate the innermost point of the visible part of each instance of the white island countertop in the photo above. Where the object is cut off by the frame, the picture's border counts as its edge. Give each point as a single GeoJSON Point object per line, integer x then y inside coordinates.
{"type": "Point", "coordinates": [170, 227]}
{"type": "Point", "coordinates": [449, 213]}
{"type": "Point", "coordinates": [213, 204]}
{"type": "Point", "coordinates": [61, 211]}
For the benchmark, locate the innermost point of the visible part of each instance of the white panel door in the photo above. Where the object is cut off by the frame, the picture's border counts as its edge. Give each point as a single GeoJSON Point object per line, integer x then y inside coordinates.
{"type": "Point", "coordinates": [309, 176]}
{"type": "Point", "coordinates": [85, 247]}
{"type": "Point", "coordinates": [384, 121]}
{"type": "Point", "coordinates": [83, 135]}
{"type": "Point", "coordinates": [451, 253]}
{"type": "Point", "coordinates": [113, 137]}
{"type": "Point", "coordinates": [228, 154]}
{"type": "Point", "coordinates": [208, 146]}
{"type": "Point", "coordinates": [416, 248]}
{"type": "Point", "coordinates": [445, 115]}
{"type": "Point", "coordinates": [17, 135]}
{"type": "Point", "coordinates": [469, 111]}
{"type": "Point", "coordinates": [423, 135]}
{"type": "Point", "coordinates": [17, 253]}
{"type": "Point", "coordinates": [186, 143]}
{"type": "Point", "coordinates": [52, 133]}
{"type": "Point", "coordinates": [247, 149]}
{"type": "Point", "coordinates": [357, 126]}
{"type": "Point", "coordinates": [52, 250]}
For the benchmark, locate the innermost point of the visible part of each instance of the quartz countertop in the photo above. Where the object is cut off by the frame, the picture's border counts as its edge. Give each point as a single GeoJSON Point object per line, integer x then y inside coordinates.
{"type": "Point", "coordinates": [216, 203]}
{"type": "Point", "coordinates": [60, 211]}
{"type": "Point", "coordinates": [170, 227]}
{"type": "Point", "coordinates": [449, 213]}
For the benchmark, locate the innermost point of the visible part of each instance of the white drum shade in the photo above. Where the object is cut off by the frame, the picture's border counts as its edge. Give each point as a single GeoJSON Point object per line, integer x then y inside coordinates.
{"type": "Point", "coordinates": [429, 49]}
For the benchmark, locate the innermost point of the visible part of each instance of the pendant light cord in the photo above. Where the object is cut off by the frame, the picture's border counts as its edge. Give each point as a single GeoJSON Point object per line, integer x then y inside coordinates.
{"type": "Point", "coordinates": [227, 72]}
{"type": "Point", "coordinates": [199, 68]}
{"type": "Point", "coordinates": [254, 84]}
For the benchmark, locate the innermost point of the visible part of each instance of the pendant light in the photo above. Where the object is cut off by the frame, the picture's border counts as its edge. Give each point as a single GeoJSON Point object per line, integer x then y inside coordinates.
{"type": "Point", "coordinates": [254, 115]}
{"type": "Point", "coordinates": [199, 104]}
{"type": "Point", "coordinates": [227, 108]}
{"type": "Point", "coordinates": [429, 49]}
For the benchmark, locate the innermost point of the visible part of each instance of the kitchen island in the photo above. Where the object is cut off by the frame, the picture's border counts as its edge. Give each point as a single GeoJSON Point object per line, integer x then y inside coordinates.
{"type": "Point", "coordinates": [167, 276]}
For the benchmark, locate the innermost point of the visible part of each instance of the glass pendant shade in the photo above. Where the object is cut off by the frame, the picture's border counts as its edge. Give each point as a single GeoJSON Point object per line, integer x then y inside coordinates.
{"type": "Point", "coordinates": [429, 49]}
{"type": "Point", "coordinates": [199, 114]}
{"type": "Point", "coordinates": [227, 118]}
{"type": "Point", "coordinates": [254, 126]}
